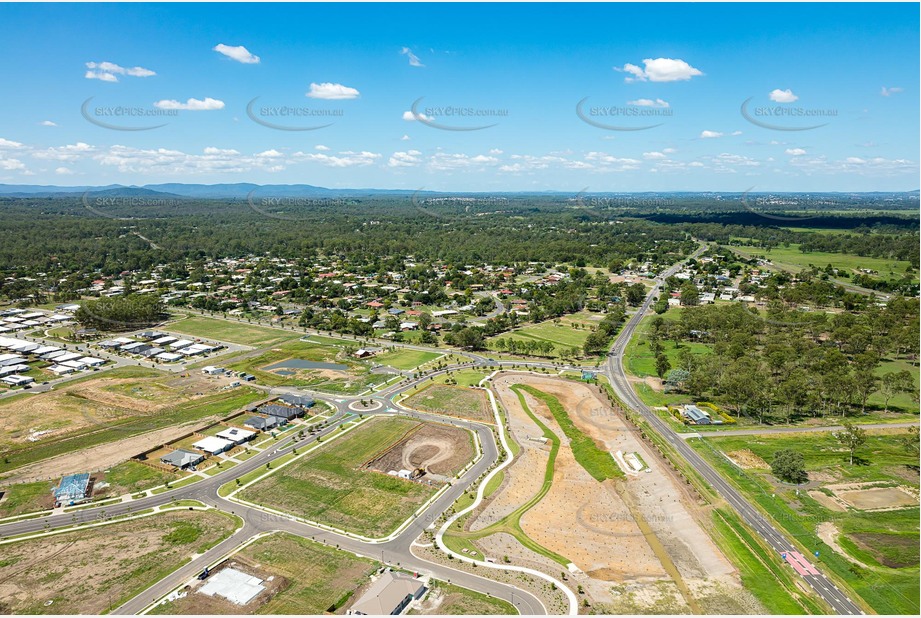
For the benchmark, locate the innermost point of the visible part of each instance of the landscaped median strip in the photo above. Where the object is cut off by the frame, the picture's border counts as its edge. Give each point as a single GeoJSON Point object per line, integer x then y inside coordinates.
{"type": "Point", "coordinates": [439, 540]}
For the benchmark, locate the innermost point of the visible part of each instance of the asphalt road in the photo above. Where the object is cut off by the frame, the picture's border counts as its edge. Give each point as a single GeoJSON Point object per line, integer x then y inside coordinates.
{"type": "Point", "coordinates": [614, 369]}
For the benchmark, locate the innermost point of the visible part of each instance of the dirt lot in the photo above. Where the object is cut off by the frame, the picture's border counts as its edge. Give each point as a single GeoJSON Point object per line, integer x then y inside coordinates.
{"type": "Point", "coordinates": [468, 403]}
{"type": "Point", "coordinates": [438, 449]}
{"type": "Point", "coordinates": [94, 402]}
{"type": "Point", "coordinates": [591, 523]}
{"type": "Point", "coordinates": [194, 602]}
{"type": "Point", "coordinates": [748, 460]}
{"type": "Point", "coordinates": [875, 498]}
{"type": "Point", "coordinates": [87, 571]}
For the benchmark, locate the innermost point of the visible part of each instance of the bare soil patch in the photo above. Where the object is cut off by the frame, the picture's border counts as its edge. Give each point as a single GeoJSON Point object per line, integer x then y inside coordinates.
{"type": "Point", "coordinates": [869, 498]}
{"type": "Point", "coordinates": [745, 458]}
{"type": "Point", "coordinates": [437, 449]}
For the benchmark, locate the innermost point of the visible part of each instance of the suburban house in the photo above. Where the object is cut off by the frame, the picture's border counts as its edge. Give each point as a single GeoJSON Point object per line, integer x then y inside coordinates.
{"type": "Point", "coordinates": [213, 445]}
{"type": "Point", "coordinates": [261, 423]}
{"type": "Point", "coordinates": [696, 415]}
{"type": "Point", "coordinates": [388, 595]}
{"type": "Point", "coordinates": [235, 435]}
{"type": "Point", "coordinates": [73, 488]}
{"type": "Point", "coordinates": [182, 459]}
{"type": "Point", "coordinates": [300, 401]}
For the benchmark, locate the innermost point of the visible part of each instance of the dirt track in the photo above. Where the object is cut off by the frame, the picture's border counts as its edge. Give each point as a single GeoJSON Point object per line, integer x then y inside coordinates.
{"type": "Point", "coordinates": [437, 449]}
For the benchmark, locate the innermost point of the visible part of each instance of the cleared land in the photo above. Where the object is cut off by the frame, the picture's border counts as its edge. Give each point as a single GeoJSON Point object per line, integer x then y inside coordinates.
{"type": "Point", "coordinates": [569, 331]}
{"type": "Point", "coordinates": [873, 551]}
{"type": "Point", "coordinates": [332, 486]}
{"type": "Point", "coordinates": [232, 332]}
{"type": "Point", "coordinates": [467, 403]}
{"type": "Point", "coordinates": [93, 570]}
{"type": "Point", "coordinates": [310, 579]}
{"type": "Point", "coordinates": [93, 428]}
{"type": "Point", "coordinates": [439, 450]}
{"type": "Point", "coordinates": [449, 600]}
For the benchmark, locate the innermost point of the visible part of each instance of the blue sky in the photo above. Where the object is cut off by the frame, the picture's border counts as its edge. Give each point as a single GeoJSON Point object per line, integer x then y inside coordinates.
{"type": "Point", "coordinates": [687, 68]}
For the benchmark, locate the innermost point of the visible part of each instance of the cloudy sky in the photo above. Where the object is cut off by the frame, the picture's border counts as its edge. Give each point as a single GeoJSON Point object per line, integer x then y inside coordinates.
{"type": "Point", "coordinates": [464, 97]}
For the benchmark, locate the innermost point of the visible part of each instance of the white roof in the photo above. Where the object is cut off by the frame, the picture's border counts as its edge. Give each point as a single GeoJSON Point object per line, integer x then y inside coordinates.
{"type": "Point", "coordinates": [168, 356]}
{"type": "Point", "coordinates": [32, 315]}
{"type": "Point", "coordinates": [234, 434]}
{"type": "Point", "coordinates": [73, 363]}
{"type": "Point", "coordinates": [181, 343]}
{"type": "Point", "coordinates": [17, 379]}
{"type": "Point", "coordinates": [235, 586]}
{"type": "Point", "coordinates": [23, 346]}
{"type": "Point", "coordinates": [61, 369]}
{"type": "Point", "coordinates": [91, 360]}
{"type": "Point", "coordinates": [133, 345]}
{"type": "Point", "coordinates": [163, 340]}
{"type": "Point", "coordinates": [69, 356]}
{"type": "Point", "coordinates": [53, 355]}
{"type": "Point", "coordinates": [45, 349]}
{"type": "Point", "coordinates": [212, 444]}
{"type": "Point", "coordinates": [123, 340]}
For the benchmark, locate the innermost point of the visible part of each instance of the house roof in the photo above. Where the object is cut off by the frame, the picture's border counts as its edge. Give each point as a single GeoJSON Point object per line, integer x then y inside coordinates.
{"type": "Point", "coordinates": [386, 594]}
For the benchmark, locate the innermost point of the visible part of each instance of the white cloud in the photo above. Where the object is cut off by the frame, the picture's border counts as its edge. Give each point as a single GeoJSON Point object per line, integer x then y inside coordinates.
{"type": "Point", "coordinates": [736, 133]}
{"type": "Point", "coordinates": [409, 116]}
{"type": "Point", "coordinates": [194, 105]}
{"type": "Point", "coordinates": [10, 165]}
{"type": "Point", "coordinates": [107, 71]}
{"type": "Point", "coordinates": [413, 58]}
{"type": "Point", "coordinates": [890, 91]}
{"type": "Point", "coordinates": [5, 143]}
{"type": "Point", "coordinates": [211, 150]}
{"type": "Point", "coordinates": [669, 150]}
{"type": "Point", "coordinates": [405, 138]}
{"type": "Point", "coordinates": [649, 103]}
{"type": "Point", "coordinates": [495, 151]}
{"type": "Point", "coordinates": [321, 147]}
{"type": "Point", "coordinates": [654, 155]}
{"type": "Point", "coordinates": [269, 154]}
{"type": "Point", "coordinates": [409, 158]}
{"type": "Point", "coordinates": [855, 160]}
{"type": "Point", "coordinates": [63, 171]}
{"type": "Point", "coordinates": [48, 123]}
{"type": "Point", "coordinates": [710, 134]}
{"type": "Point", "coordinates": [70, 152]}
{"type": "Point", "coordinates": [659, 70]}
{"type": "Point", "coordinates": [782, 96]}
{"type": "Point", "coordinates": [331, 91]}
{"type": "Point", "coordinates": [343, 159]}
{"type": "Point", "coordinates": [795, 152]}
{"type": "Point", "coordinates": [238, 53]}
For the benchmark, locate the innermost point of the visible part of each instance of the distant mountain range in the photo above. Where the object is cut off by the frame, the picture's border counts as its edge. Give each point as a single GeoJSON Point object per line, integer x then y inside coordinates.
{"type": "Point", "coordinates": [243, 189]}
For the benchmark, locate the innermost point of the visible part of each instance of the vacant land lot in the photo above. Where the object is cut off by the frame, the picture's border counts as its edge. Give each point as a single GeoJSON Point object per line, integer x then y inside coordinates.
{"type": "Point", "coordinates": [231, 332]}
{"type": "Point", "coordinates": [100, 435]}
{"type": "Point", "coordinates": [26, 498]}
{"type": "Point", "coordinates": [406, 359]}
{"type": "Point", "coordinates": [130, 477]}
{"type": "Point", "coordinates": [454, 401]}
{"type": "Point", "coordinates": [330, 486]}
{"type": "Point", "coordinates": [865, 548]}
{"type": "Point", "coordinates": [316, 577]}
{"type": "Point", "coordinates": [440, 450]}
{"type": "Point", "coordinates": [449, 600]}
{"type": "Point", "coordinates": [93, 570]}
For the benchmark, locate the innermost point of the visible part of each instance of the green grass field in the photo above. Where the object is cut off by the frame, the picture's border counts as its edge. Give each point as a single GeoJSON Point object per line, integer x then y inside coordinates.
{"type": "Point", "coordinates": [231, 332]}
{"type": "Point", "coordinates": [455, 401]}
{"type": "Point", "coordinates": [405, 359]}
{"type": "Point", "coordinates": [131, 477]}
{"type": "Point", "coordinates": [328, 485]}
{"type": "Point", "coordinates": [94, 570]}
{"type": "Point", "coordinates": [892, 536]}
{"type": "Point", "coordinates": [792, 257]}
{"type": "Point", "coordinates": [569, 331]}
{"type": "Point", "coordinates": [26, 498]}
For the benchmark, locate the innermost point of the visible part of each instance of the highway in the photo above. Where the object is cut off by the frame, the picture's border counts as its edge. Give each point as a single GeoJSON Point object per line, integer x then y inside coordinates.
{"type": "Point", "coordinates": [614, 369]}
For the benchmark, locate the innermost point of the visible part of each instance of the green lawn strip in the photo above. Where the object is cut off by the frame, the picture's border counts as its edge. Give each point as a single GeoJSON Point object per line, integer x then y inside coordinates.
{"type": "Point", "coordinates": [597, 462]}
{"type": "Point", "coordinates": [889, 591]}
{"type": "Point", "coordinates": [762, 572]}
